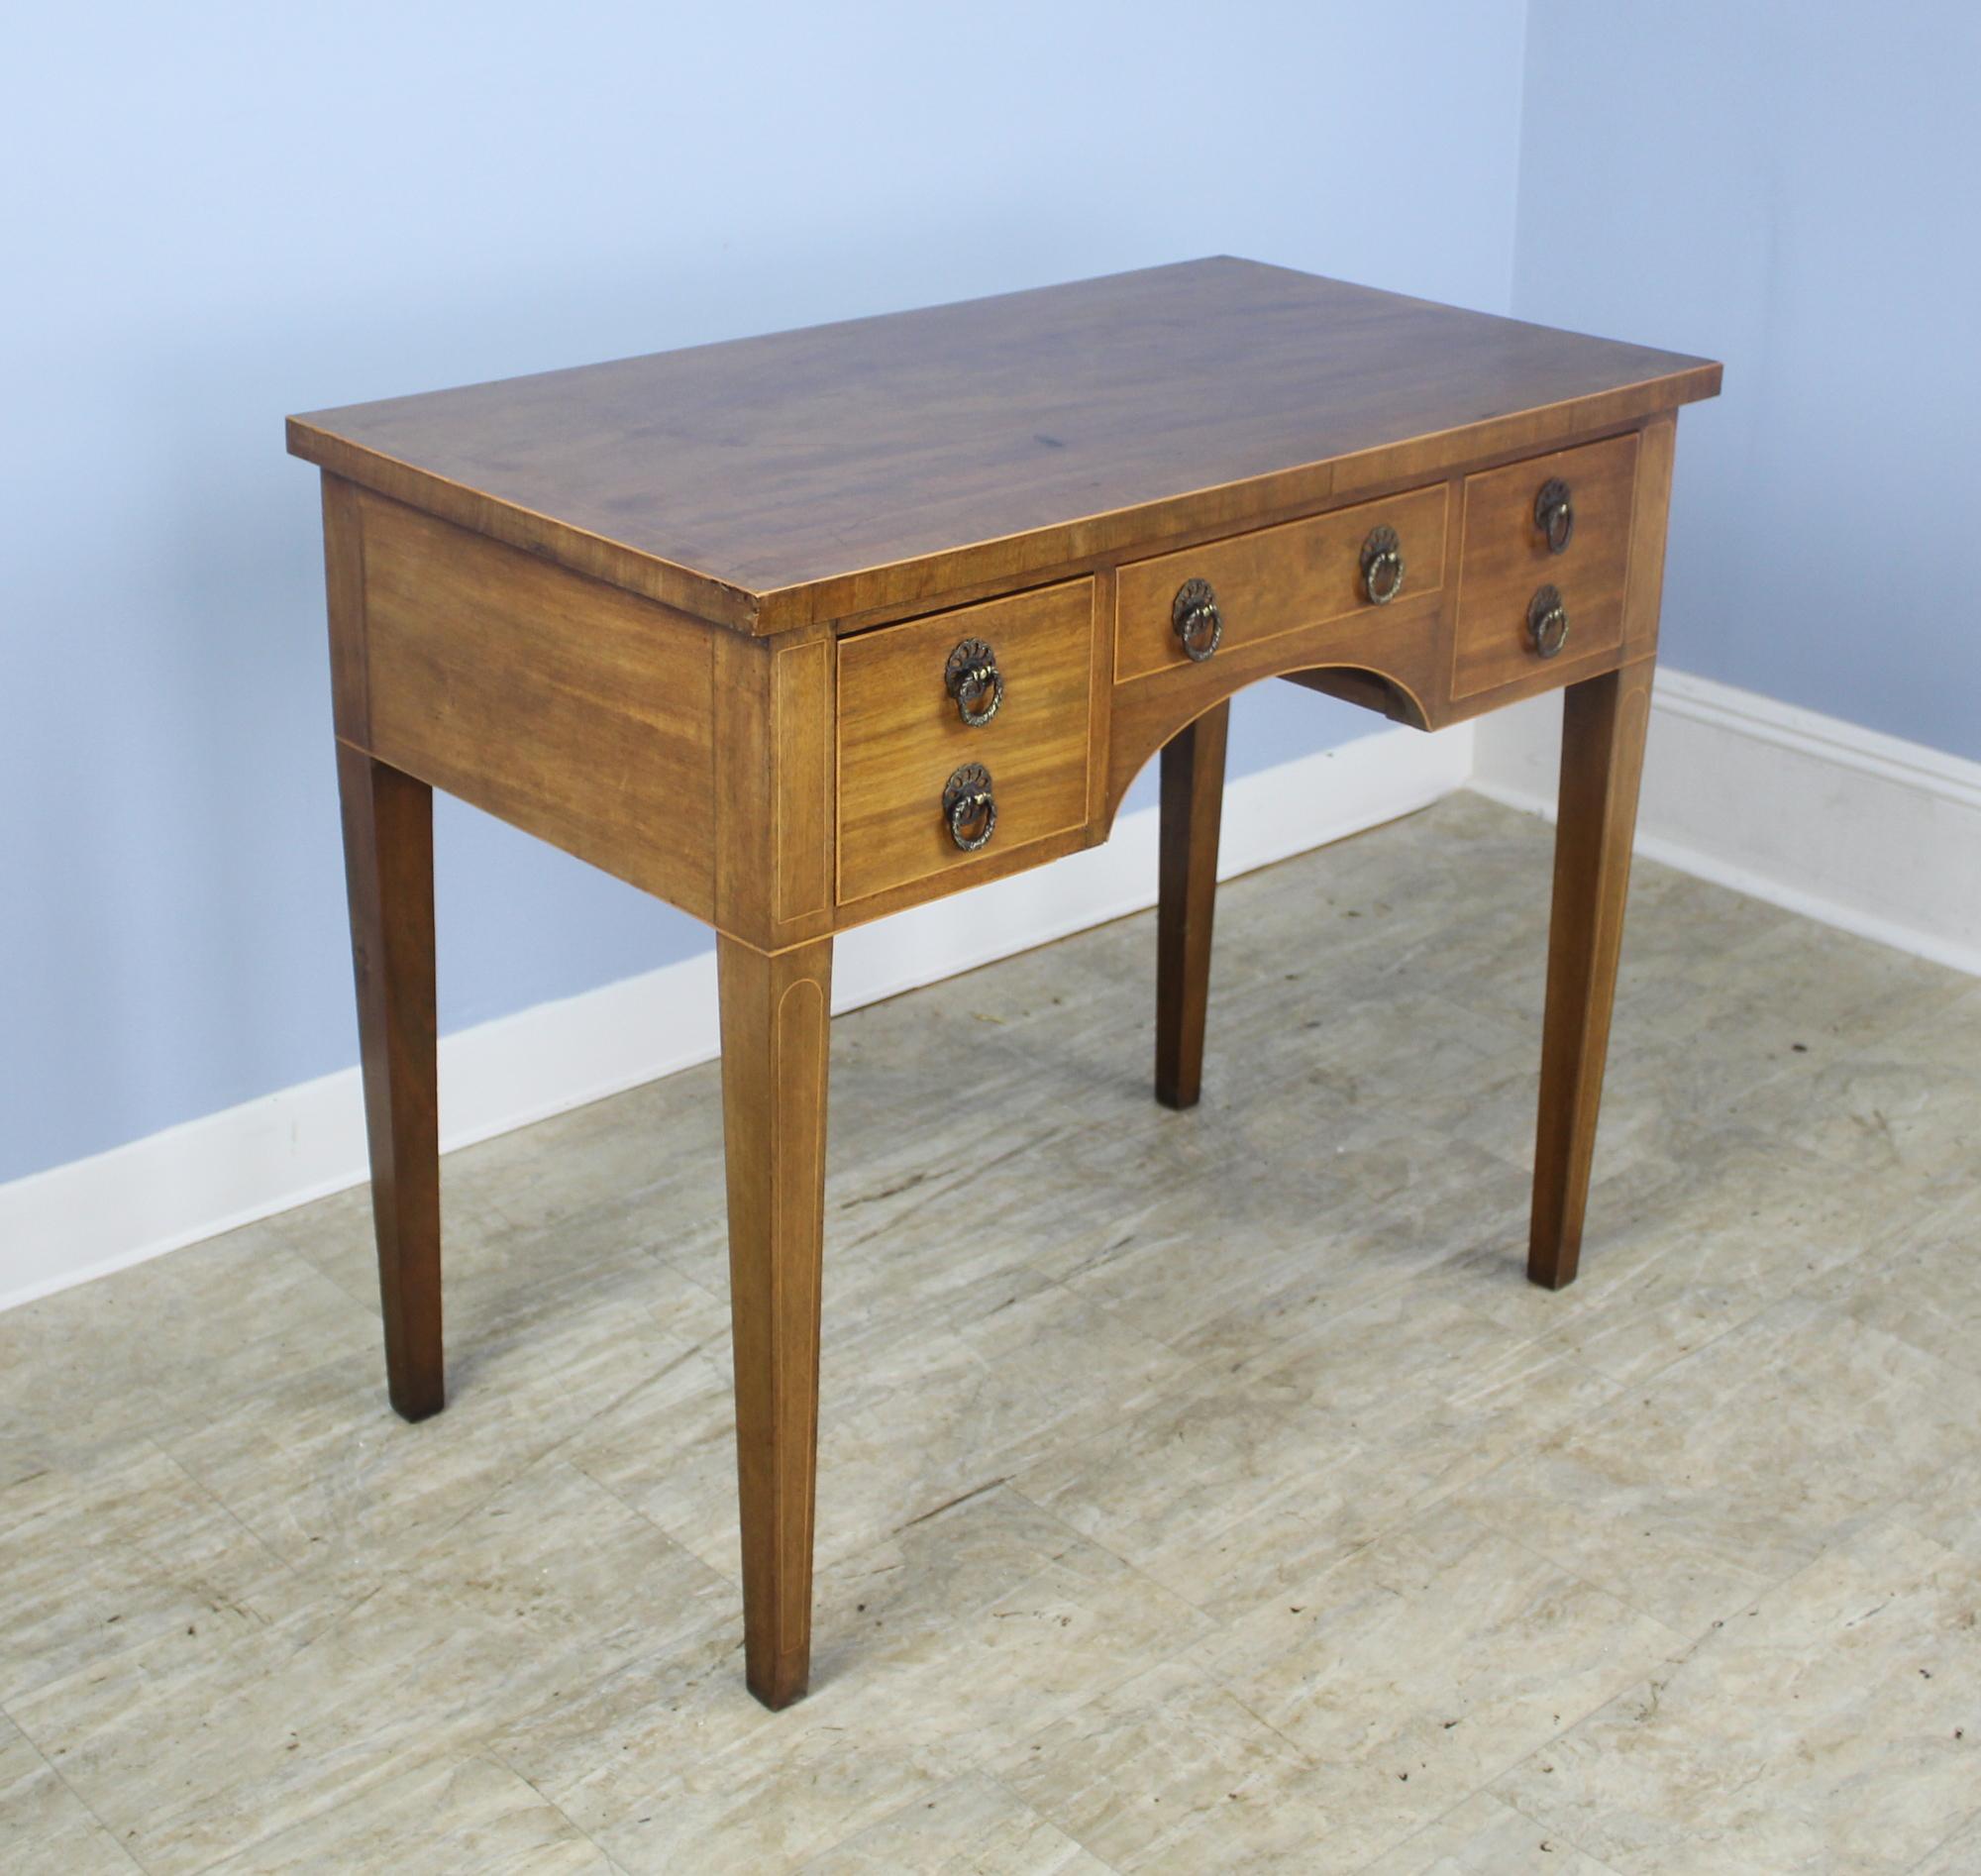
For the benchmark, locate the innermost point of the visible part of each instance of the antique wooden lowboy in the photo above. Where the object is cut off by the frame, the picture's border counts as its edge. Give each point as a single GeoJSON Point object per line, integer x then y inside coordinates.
{"type": "Point", "coordinates": [800, 630]}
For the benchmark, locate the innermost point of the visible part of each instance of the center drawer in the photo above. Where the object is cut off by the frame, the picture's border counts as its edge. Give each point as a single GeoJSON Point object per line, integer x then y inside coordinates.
{"type": "Point", "coordinates": [1022, 667]}
{"type": "Point", "coordinates": [1277, 579]}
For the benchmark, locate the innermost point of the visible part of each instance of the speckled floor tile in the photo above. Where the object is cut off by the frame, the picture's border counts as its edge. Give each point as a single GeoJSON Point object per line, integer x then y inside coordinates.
{"type": "Point", "coordinates": [433, 1820]}
{"type": "Point", "coordinates": [1484, 1837]}
{"type": "Point", "coordinates": [1737, 1466]}
{"type": "Point", "coordinates": [988, 1616]}
{"type": "Point", "coordinates": [1172, 1770]}
{"type": "Point", "coordinates": [1427, 1664]}
{"type": "Point", "coordinates": [1690, 1249]}
{"type": "Point", "coordinates": [1959, 1855]}
{"type": "Point", "coordinates": [96, 1561]}
{"type": "Point", "coordinates": [971, 1827]}
{"type": "Point", "coordinates": [1835, 1723]}
{"type": "Point", "coordinates": [1254, 1474]}
{"type": "Point", "coordinates": [278, 1722]}
{"type": "Point", "coordinates": [178, 1338]}
{"type": "Point", "coordinates": [321, 1472]}
{"type": "Point", "coordinates": [1026, 1369]}
{"type": "Point", "coordinates": [44, 1825]}
{"type": "Point", "coordinates": [1922, 1282]}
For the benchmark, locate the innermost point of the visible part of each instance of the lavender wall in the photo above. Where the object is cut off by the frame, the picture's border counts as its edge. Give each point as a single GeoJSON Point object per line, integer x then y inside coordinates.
{"type": "Point", "coordinates": [1795, 189]}
{"type": "Point", "coordinates": [216, 215]}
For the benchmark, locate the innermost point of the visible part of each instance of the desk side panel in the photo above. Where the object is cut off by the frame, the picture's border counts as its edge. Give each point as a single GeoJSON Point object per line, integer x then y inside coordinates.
{"type": "Point", "coordinates": [571, 710]}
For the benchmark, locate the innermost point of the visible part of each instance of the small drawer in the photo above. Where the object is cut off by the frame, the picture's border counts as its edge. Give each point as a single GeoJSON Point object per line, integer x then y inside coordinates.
{"type": "Point", "coordinates": [905, 692]}
{"type": "Point", "coordinates": [1544, 552]}
{"type": "Point", "coordinates": [1277, 579]}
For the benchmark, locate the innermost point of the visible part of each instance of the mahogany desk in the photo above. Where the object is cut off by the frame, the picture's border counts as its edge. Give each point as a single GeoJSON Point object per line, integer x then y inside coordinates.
{"type": "Point", "coordinates": [796, 631]}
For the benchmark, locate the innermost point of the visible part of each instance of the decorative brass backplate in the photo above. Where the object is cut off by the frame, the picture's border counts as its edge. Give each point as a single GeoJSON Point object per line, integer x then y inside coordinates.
{"type": "Point", "coordinates": [1381, 565]}
{"type": "Point", "coordinates": [973, 678]}
{"type": "Point", "coordinates": [1198, 623]}
{"type": "Point", "coordinates": [1547, 621]}
{"type": "Point", "coordinates": [970, 808]}
{"type": "Point", "coordinates": [1554, 514]}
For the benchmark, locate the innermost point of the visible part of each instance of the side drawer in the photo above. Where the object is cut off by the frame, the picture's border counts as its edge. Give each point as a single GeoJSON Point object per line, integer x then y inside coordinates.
{"type": "Point", "coordinates": [1506, 560]}
{"type": "Point", "coordinates": [1277, 579]}
{"type": "Point", "coordinates": [902, 735]}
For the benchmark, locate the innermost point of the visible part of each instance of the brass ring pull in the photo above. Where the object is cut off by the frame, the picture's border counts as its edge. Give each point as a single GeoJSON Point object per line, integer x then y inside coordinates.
{"type": "Point", "coordinates": [1547, 621]}
{"type": "Point", "coordinates": [973, 678]}
{"type": "Point", "coordinates": [1198, 623]}
{"type": "Point", "coordinates": [970, 808]}
{"type": "Point", "coordinates": [1381, 565]}
{"type": "Point", "coordinates": [1554, 514]}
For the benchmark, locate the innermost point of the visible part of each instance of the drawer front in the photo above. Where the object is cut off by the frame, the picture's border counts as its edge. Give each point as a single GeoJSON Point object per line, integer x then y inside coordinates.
{"type": "Point", "coordinates": [1504, 560]}
{"type": "Point", "coordinates": [902, 735]}
{"type": "Point", "coordinates": [1277, 580]}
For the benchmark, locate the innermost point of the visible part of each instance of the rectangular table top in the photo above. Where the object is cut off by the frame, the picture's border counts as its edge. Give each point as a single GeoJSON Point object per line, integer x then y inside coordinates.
{"type": "Point", "coordinates": [769, 483]}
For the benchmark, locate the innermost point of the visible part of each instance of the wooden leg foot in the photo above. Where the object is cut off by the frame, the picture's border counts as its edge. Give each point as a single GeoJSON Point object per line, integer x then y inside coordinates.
{"type": "Point", "coordinates": [1602, 759]}
{"type": "Point", "coordinates": [784, 1682]}
{"type": "Point", "coordinates": [774, 1035]}
{"type": "Point", "coordinates": [1193, 801]}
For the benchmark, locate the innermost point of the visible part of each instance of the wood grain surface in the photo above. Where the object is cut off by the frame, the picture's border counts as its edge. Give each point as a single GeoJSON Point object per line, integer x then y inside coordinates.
{"type": "Point", "coordinates": [776, 482]}
{"type": "Point", "coordinates": [568, 707]}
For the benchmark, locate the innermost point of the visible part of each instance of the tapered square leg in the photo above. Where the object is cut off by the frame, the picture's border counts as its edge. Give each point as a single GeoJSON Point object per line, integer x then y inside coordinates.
{"type": "Point", "coordinates": [774, 1035]}
{"type": "Point", "coordinates": [1601, 761]}
{"type": "Point", "coordinates": [388, 870]}
{"type": "Point", "coordinates": [1193, 803]}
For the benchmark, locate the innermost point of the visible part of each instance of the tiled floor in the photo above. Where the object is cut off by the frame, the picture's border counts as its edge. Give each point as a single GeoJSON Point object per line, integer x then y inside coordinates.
{"type": "Point", "coordinates": [1199, 1492]}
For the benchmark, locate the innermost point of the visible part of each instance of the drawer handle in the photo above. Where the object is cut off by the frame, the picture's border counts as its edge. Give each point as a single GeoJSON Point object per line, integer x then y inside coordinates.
{"type": "Point", "coordinates": [1198, 623]}
{"type": "Point", "coordinates": [973, 678]}
{"type": "Point", "coordinates": [1547, 621]}
{"type": "Point", "coordinates": [1381, 565]}
{"type": "Point", "coordinates": [969, 808]}
{"type": "Point", "coordinates": [1554, 514]}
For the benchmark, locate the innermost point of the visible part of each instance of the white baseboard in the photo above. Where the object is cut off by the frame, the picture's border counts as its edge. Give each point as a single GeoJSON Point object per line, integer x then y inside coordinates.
{"type": "Point", "coordinates": [1841, 824]}
{"type": "Point", "coordinates": [92, 1216]}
